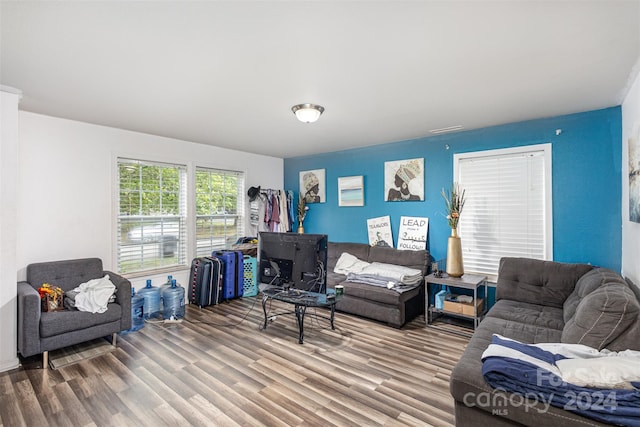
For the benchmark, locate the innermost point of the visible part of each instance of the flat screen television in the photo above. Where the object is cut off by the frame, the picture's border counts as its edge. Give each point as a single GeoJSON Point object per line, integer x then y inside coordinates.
{"type": "Point", "coordinates": [291, 260]}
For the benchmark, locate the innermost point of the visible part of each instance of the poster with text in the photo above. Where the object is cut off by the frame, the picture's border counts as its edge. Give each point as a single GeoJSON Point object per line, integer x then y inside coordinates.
{"type": "Point", "coordinates": [379, 230]}
{"type": "Point", "coordinates": [413, 233]}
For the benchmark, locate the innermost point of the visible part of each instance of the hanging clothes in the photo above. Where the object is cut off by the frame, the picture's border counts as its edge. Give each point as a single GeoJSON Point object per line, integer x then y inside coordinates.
{"type": "Point", "coordinates": [272, 210]}
{"type": "Point", "coordinates": [290, 209]}
{"type": "Point", "coordinates": [284, 215]}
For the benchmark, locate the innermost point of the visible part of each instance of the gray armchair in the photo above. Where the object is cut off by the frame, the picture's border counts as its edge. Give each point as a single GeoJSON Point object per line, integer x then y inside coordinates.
{"type": "Point", "coordinates": [40, 332]}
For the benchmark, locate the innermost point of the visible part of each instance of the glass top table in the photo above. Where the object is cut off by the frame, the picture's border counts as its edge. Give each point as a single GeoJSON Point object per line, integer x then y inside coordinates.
{"type": "Point", "coordinates": [300, 300]}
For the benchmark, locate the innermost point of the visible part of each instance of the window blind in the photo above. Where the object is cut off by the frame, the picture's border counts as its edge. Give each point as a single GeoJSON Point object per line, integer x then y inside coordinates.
{"type": "Point", "coordinates": [151, 215]}
{"type": "Point", "coordinates": [220, 212]}
{"type": "Point", "coordinates": [507, 210]}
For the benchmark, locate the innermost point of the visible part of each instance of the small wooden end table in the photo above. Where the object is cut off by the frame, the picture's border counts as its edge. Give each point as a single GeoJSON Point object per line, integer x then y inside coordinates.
{"type": "Point", "coordinates": [473, 282]}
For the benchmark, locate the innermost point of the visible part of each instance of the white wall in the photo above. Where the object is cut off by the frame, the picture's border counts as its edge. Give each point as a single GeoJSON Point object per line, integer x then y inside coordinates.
{"type": "Point", "coordinates": [66, 185]}
{"type": "Point", "coordinates": [9, 99]}
{"type": "Point", "coordinates": [630, 230]}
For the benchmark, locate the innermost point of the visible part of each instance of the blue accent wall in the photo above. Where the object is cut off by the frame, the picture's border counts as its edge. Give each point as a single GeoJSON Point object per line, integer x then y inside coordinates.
{"type": "Point", "coordinates": [587, 183]}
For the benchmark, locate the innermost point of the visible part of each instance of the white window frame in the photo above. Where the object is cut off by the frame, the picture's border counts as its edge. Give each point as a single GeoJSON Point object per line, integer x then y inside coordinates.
{"type": "Point", "coordinates": [183, 217]}
{"type": "Point", "coordinates": [542, 149]}
{"type": "Point", "coordinates": [189, 199]}
{"type": "Point", "coordinates": [238, 217]}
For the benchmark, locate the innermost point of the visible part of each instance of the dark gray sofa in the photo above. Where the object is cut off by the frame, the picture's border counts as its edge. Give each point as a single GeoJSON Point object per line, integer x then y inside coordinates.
{"type": "Point", "coordinates": [41, 332]}
{"type": "Point", "coordinates": [543, 301]}
{"type": "Point", "coordinates": [373, 302]}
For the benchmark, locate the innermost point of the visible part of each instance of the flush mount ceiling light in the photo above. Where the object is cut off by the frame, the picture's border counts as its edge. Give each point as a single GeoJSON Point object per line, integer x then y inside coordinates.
{"type": "Point", "coordinates": [307, 113]}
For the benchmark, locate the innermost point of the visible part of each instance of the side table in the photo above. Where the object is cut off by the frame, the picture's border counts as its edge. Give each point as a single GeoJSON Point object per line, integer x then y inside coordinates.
{"type": "Point", "coordinates": [472, 282]}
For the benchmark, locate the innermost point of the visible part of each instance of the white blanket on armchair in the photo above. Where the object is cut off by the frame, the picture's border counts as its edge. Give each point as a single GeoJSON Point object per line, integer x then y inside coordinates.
{"type": "Point", "coordinates": [93, 296]}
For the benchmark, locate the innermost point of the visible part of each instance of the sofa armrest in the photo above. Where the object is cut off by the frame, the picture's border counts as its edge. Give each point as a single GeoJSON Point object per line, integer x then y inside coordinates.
{"type": "Point", "coordinates": [123, 297]}
{"type": "Point", "coordinates": [28, 320]}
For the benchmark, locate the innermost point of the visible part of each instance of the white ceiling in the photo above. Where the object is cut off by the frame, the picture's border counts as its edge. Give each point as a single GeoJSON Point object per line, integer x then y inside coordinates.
{"type": "Point", "coordinates": [227, 73]}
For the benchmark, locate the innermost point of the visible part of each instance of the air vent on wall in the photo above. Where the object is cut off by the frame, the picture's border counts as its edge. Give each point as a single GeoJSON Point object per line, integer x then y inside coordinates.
{"type": "Point", "coordinates": [447, 129]}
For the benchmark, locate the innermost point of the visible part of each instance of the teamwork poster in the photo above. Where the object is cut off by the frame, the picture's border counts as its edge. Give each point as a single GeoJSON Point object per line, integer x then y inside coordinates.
{"type": "Point", "coordinates": [379, 230]}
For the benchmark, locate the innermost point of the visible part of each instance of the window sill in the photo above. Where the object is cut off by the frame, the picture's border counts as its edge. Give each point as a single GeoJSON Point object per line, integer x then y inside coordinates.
{"type": "Point", "coordinates": [157, 271]}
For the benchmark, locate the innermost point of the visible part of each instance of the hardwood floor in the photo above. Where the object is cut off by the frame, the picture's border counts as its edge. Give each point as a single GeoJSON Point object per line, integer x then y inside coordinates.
{"type": "Point", "coordinates": [219, 368]}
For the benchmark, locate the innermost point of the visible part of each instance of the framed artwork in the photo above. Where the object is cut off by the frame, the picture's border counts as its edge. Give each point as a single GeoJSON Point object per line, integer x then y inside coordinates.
{"type": "Point", "coordinates": [351, 191]}
{"type": "Point", "coordinates": [634, 175]}
{"type": "Point", "coordinates": [404, 180]}
{"type": "Point", "coordinates": [313, 186]}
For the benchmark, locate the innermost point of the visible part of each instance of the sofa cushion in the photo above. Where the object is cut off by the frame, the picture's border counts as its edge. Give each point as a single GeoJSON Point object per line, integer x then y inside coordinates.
{"type": "Point", "coordinates": [467, 374]}
{"type": "Point", "coordinates": [378, 293]}
{"type": "Point", "coordinates": [530, 314]}
{"type": "Point", "coordinates": [412, 259]}
{"type": "Point", "coordinates": [335, 249]}
{"type": "Point", "coordinates": [64, 274]}
{"type": "Point", "coordinates": [60, 322]}
{"type": "Point", "coordinates": [602, 316]}
{"type": "Point", "coordinates": [334, 279]}
{"type": "Point", "coordinates": [537, 282]}
{"type": "Point", "coordinates": [587, 284]}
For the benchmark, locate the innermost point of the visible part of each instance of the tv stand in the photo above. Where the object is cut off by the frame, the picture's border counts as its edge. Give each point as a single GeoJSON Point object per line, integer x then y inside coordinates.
{"type": "Point", "coordinates": [300, 300]}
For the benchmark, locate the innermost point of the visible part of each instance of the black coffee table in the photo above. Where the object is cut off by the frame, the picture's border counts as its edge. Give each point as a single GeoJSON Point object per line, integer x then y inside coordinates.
{"type": "Point", "coordinates": [300, 300]}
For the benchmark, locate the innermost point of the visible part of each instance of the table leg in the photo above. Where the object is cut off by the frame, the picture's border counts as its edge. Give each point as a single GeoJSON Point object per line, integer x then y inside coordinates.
{"type": "Point", "coordinates": [333, 311]}
{"type": "Point", "coordinates": [264, 309]}
{"type": "Point", "coordinates": [427, 312]}
{"type": "Point", "coordinates": [300, 310]}
{"type": "Point", "coordinates": [475, 307]}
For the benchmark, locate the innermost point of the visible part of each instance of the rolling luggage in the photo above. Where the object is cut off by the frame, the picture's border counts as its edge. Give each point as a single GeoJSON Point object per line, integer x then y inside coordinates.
{"type": "Point", "coordinates": [206, 281]}
{"type": "Point", "coordinates": [232, 273]}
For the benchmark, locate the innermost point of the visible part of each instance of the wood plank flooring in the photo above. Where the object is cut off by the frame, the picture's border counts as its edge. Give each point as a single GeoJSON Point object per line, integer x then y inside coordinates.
{"type": "Point", "coordinates": [219, 368]}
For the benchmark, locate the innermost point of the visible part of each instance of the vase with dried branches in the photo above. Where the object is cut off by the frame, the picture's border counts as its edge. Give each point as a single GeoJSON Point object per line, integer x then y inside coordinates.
{"type": "Point", "coordinates": [454, 202]}
{"type": "Point", "coordinates": [302, 212]}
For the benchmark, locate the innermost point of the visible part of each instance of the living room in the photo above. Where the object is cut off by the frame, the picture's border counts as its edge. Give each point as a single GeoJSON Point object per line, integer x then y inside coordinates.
{"type": "Point", "coordinates": [60, 205]}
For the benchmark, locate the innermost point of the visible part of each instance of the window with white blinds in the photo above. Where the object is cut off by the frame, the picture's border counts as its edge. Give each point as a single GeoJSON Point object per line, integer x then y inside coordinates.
{"type": "Point", "coordinates": [219, 209]}
{"type": "Point", "coordinates": [508, 209]}
{"type": "Point", "coordinates": [151, 215]}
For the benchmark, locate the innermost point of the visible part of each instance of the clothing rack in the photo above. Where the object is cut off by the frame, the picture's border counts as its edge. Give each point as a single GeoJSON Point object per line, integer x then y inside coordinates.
{"type": "Point", "coordinates": [272, 211]}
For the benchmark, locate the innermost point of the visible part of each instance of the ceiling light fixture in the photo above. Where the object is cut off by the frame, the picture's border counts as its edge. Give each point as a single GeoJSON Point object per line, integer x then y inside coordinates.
{"type": "Point", "coordinates": [307, 113]}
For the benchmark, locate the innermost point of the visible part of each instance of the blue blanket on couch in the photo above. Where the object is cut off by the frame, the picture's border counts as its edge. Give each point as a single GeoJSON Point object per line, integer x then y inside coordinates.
{"type": "Point", "coordinates": [532, 371]}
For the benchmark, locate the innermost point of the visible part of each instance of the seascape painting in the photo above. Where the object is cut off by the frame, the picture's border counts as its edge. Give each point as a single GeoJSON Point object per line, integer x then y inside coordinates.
{"type": "Point", "coordinates": [351, 191]}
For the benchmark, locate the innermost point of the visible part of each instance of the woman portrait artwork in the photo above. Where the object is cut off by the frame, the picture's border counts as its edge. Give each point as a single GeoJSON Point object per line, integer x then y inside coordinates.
{"type": "Point", "coordinates": [312, 186]}
{"type": "Point", "coordinates": [404, 180]}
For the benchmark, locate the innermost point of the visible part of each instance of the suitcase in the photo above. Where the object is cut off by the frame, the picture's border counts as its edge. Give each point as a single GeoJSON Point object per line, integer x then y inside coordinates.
{"type": "Point", "coordinates": [232, 273]}
{"type": "Point", "coordinates": [206, 281]}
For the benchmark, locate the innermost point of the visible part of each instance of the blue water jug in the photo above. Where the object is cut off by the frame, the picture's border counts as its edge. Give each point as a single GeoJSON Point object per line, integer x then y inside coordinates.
{"type": "Point", "coordinates": [173, 298]}
{"type": "Point", "coordinates": [165, 285]}
{"type": "Point", "coordinates": [137, 312]}
{"type": "Point", "coordinates": [151, 295]}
